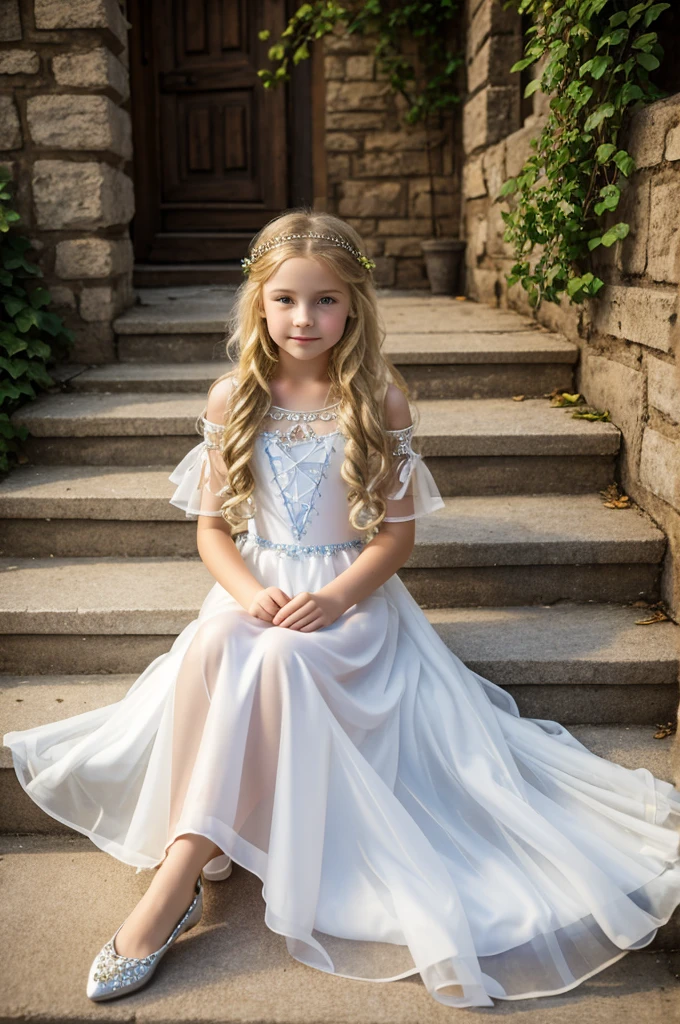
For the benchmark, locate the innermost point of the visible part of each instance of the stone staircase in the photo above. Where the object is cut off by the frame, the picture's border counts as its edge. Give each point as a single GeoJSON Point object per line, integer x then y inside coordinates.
{"type": "Point", "coordinates": [524, 574]}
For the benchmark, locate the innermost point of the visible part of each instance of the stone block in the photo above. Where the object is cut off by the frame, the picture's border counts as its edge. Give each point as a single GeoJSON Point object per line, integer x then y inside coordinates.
{"type": "Point", "coordinates": [338, 41]}
{"type": "Point", "coordinates": [96, 69]}
{"type": "Point", "coordinates": [673, 144]}
{"type": "Point", "coordinates": [351, 121]}
{"type": "Point", "coordinates": [334, 68]}
{"type": "Point", "coordinates": [660, 466]}
{"type": "Point", "coordinates": [518, 148]}
{"type": "Point", "coordinates": [663, 387]}
{"type": "Point", "coordinates": [380, 164]}
{"type": "Point", "coordinates": [644, 315]}
{"type": "Point", "coordinates": [608, 384]}
{"type": "Point", "coordinates": [663, 249]}
{"type": "Point", "coordinates": [411, 273]}
{"type": "Point", "coordinates": [79, 122]}
{"type": "Point", "coordinates": [82, 14]}
{"type": "Point", "coordinates": [10, 21]}
{"type": "Point", "coordinates": [403, 247]}
{"type": "Point", "coordinates": [384, 273]}
{"type": "Point", "coordinates": [646, 137]}
{"type": "Point", "coordinates": [395, 142]}
{"type": "Point", "coordinates": [62, 297]}
{"type": "Point", "coordinates": [80, 195]}
{"type": "Point", "coordinates": [341, 142]}
{"type": "Point", "coordinates": [356, 96]}
{"type": "Point", "coordinates": [491, 65]}
{"type": "Point", "coordinates": [489, 19]}
{"type": "Point", "coordinates": [11, 136]}
{"type": "Point", "coordinates": [338, 166]}
{"type": "Point", "coordinates": [631, 252]}
{"type": "Point", "coordinates": [360, 68]}
{"type": "Point", "coordinates": [105, 302]}
{"type": "Point", "coordinates": [382, 199]}
{"type": "Point", "coordinates": [490, 116]}
{"type": "Point", "coordinates": [405, 226]}
{"type": "Point", "coordinates": [474, 185]}
{"type": "Point", "coordinates": [494, 168]}
{"type": "Point", "coordinates": [93, 257]}
{"type": "Point", "coordinates": [19, 62]}
{"type": "Point", "coordinates": [444, 205]}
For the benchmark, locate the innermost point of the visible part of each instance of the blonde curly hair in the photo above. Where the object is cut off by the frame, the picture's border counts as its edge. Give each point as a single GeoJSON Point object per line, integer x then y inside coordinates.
{"type": "Point", "coordinates": [358, 370]}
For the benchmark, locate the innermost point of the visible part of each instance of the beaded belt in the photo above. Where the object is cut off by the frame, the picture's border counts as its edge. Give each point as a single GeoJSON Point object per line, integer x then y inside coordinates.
{"type": "Point", "coordinates": [301, 550]}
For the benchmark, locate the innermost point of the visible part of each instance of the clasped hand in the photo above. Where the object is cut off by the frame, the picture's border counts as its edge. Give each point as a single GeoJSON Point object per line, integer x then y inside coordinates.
{"type": "Point", "coordinates": [305, 612]}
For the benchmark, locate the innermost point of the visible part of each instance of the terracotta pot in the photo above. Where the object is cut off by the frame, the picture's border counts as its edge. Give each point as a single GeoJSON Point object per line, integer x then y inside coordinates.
{"type": "Point", "coordinates": [443, 258]}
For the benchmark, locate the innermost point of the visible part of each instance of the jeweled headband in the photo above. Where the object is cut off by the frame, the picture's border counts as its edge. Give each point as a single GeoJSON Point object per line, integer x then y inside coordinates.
{"type": "Point", "coordinates": [247, 262]}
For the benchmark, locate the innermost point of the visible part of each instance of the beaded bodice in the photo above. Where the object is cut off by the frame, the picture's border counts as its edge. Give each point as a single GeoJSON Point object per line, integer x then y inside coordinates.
{"type": "Point", "coordinates": [300, 494]}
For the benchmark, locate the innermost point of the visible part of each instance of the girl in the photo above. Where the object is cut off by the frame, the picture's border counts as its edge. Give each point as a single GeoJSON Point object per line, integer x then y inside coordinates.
{"type": "Point", "coordinates": [311, 724]}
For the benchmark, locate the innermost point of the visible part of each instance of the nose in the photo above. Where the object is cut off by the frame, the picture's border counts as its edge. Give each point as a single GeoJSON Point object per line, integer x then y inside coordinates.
{"type": "Point", "coordinates": [302, 317]}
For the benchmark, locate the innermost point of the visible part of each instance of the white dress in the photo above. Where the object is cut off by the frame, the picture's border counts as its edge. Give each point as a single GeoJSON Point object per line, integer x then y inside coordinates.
{"type": "Point", "coordinates": [401, 814]}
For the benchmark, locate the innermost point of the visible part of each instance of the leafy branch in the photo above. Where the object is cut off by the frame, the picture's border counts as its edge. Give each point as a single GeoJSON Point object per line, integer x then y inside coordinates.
{"type": "Point", "coordinates": [597, 56]}
{"type": "Point", "coordinates": [24, 322]}
{"type": "Point", "coordinates": [429, 90]}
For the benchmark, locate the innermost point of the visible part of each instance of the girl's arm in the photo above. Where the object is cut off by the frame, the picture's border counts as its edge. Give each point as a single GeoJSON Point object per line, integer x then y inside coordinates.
{"type": "Point", "coordinates": [213, 536]}
{"type": "Point", "coordinates": [383, 555]}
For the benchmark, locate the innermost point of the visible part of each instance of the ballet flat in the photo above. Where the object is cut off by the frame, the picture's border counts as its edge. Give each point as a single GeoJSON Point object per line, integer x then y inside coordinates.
{"type": "Point", "coordinates": [218, 868]}
{"type": "Point", "coordinates": [113, 974]}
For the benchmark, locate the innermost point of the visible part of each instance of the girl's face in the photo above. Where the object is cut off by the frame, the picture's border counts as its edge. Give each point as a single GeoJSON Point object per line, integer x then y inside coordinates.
{"type": "Point", "coordinates": [306, 307]}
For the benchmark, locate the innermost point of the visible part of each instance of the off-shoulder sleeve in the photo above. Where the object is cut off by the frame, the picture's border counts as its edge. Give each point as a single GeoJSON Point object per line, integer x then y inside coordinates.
{"type": "Point", "coordinates": [201, 476]}
{"type": "Point", "coordinates": [412, 492]}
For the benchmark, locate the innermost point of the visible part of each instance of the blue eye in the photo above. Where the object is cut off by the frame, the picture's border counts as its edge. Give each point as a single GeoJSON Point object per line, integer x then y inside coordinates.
{"type": "Point", "coordinates": [288, 296]}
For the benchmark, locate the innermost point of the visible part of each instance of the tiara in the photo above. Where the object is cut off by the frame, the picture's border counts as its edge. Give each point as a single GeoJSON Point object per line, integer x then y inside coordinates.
{"type": "Point", "coordinates": [277, 240]}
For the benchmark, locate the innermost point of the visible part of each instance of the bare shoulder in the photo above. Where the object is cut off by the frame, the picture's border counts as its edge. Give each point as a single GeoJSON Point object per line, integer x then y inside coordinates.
{"type": "Point", "coordinates": [397, 411]}
{"type": "Point", "coordinates": [219, 396]}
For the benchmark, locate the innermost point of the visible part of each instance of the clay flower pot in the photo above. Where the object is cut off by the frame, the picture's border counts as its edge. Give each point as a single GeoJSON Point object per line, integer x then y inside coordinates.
{"type": "Point", "coordinates": [443, 258]}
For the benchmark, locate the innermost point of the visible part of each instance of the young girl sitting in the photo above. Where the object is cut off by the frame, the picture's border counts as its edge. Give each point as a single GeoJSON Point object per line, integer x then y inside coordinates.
{"type": "Point", "coordinates": [311, 725]}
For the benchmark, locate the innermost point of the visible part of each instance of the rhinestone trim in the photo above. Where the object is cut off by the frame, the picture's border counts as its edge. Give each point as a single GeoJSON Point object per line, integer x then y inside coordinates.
{"type": "Point", "coordinates": [300, 550]}
{"type": "Point", "coordinates": [247, 261]}
{"type": "Point", "coordinates": [402, 440]}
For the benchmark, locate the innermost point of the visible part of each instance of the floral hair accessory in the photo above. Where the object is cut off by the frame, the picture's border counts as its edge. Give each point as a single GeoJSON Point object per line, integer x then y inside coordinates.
{"type": "Point", "coordinates": [277, 240]}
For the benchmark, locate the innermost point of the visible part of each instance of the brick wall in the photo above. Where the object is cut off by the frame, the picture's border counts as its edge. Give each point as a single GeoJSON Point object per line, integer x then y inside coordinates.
{"type": "Point", "coordinates": [629, 336]}
{"type": "Point", "coordinates": [65, 134]}
{"type": "Point", "coordinates": [377, 166]}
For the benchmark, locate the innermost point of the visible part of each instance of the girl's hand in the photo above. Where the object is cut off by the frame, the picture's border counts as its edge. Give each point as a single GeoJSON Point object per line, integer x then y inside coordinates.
{"type": "Point", "coordinates": [308, 612]}
{"type": "Point", "coordinates": [266, 603]}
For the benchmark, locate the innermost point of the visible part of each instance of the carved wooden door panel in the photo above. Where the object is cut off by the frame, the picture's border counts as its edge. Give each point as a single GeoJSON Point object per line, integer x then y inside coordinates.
{"type": "Point", "coordinates": [211, 161]}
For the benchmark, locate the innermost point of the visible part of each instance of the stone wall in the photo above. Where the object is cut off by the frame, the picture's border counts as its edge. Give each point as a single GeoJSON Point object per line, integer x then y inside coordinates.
{"type": "Point", "coordinates": [65, 134]}
{"type": "Point", "coordinates": [377, 166]}
{"type": "Point", "coordinates": [629, 336]}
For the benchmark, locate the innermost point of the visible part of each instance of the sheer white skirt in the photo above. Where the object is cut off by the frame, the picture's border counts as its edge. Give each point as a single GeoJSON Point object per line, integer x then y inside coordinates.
{"type": "Point", "coordinates": [400, 813]}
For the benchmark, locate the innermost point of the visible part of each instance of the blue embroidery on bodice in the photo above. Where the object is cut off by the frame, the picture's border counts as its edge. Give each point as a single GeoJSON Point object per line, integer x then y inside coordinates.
{"type": "Point", "coordinates": [298, 469]}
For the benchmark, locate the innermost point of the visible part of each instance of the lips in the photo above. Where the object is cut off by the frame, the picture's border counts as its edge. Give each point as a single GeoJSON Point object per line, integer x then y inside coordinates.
{"type": "Point", "coordinates": [304, 339]}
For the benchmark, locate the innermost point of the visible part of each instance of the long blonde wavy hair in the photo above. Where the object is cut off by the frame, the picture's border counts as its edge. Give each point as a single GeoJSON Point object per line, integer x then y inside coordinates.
{"type": "Point", "coordinates": [358, 370]}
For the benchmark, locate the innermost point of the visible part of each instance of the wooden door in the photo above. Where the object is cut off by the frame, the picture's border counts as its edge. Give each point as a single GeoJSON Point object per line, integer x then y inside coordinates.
{"type": "Point", "coordinates": [215, 154]}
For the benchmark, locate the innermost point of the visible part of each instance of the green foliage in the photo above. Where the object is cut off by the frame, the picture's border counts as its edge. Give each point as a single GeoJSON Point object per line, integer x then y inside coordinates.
{"type": "Point", "coordinates": [24, 324]}
{"type": "Point", "coordinates": [597, 57]}
{"type": "Point", "coordinates": [393, 23]}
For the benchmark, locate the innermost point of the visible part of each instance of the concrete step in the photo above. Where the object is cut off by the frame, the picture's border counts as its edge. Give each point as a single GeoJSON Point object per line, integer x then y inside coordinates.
{"type": "Point", "coordinates": [474, 446]}
{"type": "Point", "coordinates": [475, 365]}
{"type": "Point", "coordinates": [475, 551]}
{"type": "Point", "coordinates": [232, 968]}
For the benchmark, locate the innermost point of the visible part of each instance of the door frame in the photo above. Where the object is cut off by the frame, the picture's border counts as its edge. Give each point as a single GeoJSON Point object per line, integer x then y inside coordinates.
{"type": "Point", "coordinates": [301, 113]}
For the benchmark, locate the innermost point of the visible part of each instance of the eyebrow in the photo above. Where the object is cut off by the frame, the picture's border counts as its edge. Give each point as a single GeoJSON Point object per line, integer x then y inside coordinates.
{"type": "Point", "coordinates": [322, 291]}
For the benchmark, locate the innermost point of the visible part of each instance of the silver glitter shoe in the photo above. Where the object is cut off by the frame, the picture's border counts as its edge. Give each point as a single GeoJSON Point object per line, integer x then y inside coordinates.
{"type": "Point", "coordinates": [112, 974]}
{"type": "Point", "coordinates": [217, 869]}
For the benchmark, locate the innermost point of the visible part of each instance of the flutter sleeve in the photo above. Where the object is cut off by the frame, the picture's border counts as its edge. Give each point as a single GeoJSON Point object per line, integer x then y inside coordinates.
{"type": "Point", "coordinates": [412, 492]}
{"type": "Point", "coordinates": [201, 476]}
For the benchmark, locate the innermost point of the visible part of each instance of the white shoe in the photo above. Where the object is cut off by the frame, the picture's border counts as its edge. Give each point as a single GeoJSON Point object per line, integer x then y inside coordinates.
{"type": "Point", "coordinates": [218, 868]}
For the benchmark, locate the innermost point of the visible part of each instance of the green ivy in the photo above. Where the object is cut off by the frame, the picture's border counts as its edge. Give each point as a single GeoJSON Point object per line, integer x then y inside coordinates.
{"type": "Point", "coordinates": [24, 323]}
{"type": "Point", "coordinates": [392, 23]}
{"type": "Point", "coordinates": [598, 55]}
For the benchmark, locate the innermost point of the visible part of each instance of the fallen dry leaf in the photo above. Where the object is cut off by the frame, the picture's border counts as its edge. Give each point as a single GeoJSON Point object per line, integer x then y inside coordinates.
{"type": "Point", "coordinates": [658, 616]}
{"type": "Point", "coordinates": [665, 729]}
{"type": "Point", "coordinates": [614, 498]}
{"type": "Point", "coordinates": [518, 398]}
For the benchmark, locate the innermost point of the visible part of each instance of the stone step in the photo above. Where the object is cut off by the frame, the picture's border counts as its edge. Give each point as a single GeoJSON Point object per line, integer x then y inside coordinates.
{"type": "Point", "coordinates": [474, 551]}
{"type": "Point", "coordinates": [444, 365]}
{"type": "Point", "coordinates": [474, 446]}
{"type": "Point", "coordinates": [62, 885]}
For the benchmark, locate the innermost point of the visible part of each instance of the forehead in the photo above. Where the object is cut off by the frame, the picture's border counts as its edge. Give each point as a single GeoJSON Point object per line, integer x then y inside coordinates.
{"type": "Point", "coordinates": [302, 274]}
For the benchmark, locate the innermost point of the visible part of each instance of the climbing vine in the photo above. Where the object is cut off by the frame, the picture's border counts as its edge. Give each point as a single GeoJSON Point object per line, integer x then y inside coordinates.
{"type": "Point", "coordinates": [25, 325]}
{"type": "Point", "coordinates": [596, 57]}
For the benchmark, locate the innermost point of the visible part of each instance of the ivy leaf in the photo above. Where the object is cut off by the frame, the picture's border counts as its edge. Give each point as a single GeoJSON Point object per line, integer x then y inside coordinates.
{"type": "Point", "coordinates": [624, 162]}
{"type": "Point", "coordinates": [648, 61]}
{"type": "Point", "coordinates": [13, 305]}
{"type": "Point", "coordinates": [596, 67]}
{"type": "Point", "coordinates": [618, 18]}
{"type": "Point", "coordinates": [11, 343]}
{"type": "Point", "coordinates": [520, 65]}
{"type": "Point", "coordinates": [615, 233]}
{"type": "Point", "coordinates": [653, 13]}
{"type": "Point", "coordinates": [603, 152]}
{"type": "Point", "coordinates": [594, 242]}
{"type": "Point", "coordinates": [645, 41]}
{"type": "Point", "coordinates": [39, 297]}
{"type": "Point", "coordinates": [533, 86]}
{"type": "Point", "coordinates": [599, 115]}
